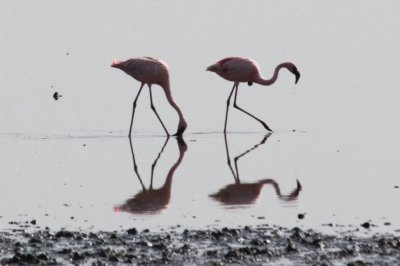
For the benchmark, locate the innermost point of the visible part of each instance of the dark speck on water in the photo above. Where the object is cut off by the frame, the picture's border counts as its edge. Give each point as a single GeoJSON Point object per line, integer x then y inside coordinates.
{"type": "Point", "coordinates": [56, 96]}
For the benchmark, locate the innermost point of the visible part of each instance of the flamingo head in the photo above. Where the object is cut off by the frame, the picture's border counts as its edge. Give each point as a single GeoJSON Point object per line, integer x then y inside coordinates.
{"type": "Point", "coordinates": [295, 72]}
{"type": "Point", "coordinates": [116, 63]}
{"type": "Point", "coordinates": [213, 68]}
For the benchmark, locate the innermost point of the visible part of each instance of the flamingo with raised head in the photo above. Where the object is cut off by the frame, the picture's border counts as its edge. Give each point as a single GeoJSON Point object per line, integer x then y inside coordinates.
{"type": "Point", "coordinates": [148, 70]}
{"type": "Point", "coordinates": [239, 69]}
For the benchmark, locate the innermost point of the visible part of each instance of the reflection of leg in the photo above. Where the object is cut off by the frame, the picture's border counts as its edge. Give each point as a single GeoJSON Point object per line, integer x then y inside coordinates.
{"type": "Point", "coordinates": [229, 159]}
{"type": "Point", "coordinates": [227, 106]}
{"type": "Point", "coordinates": [154, 109]}
{"type": "Point", "coordinates": [135, 166]}
{"type": "Point", "coordinates": [259, 120]}
{"type": "Point", "coordinates": [249, 150]}
{"type": "Point", "coordinates": [156, 160]}
{"type": "Point", "coordinates": [134, 107]}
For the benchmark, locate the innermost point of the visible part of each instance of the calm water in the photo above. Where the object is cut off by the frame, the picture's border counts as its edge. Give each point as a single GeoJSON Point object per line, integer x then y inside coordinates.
{"type": "Point", "coordinates": [336, 131]}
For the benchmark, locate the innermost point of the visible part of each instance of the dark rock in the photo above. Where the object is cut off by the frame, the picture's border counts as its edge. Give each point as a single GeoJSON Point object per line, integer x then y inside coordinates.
{"type": "Point", "coordinates": [77, 256]}
{"type": "Point", "coordinates": [64, 234]}
{"type": "Point", "coordinates": [43, 256]}
{"type": "Point", "coordinates": [35, 240]}
{"type": "Point", "coordinates": [132, 231]}
{"type": "Point", "coordinates": [366, 225]}
{"type": "Point", "coordinates": [359, 263]}
{"type": "Point", "coordinates": [291, 247]}
{"type": "Point", "coordinates": [113, 259]}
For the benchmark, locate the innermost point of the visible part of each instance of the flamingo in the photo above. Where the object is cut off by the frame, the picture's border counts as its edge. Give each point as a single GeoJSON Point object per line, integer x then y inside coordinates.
{"type": "Point", "coordinates": [148, 70]}
{"type": "Point", "coordinates": [239, 69]}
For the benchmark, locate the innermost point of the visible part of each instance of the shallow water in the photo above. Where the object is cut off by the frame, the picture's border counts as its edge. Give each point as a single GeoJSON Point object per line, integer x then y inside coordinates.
{"type": "Point", "coordinates": [89, 181]}
{"type": "Point", "coordinates": [68, 163]}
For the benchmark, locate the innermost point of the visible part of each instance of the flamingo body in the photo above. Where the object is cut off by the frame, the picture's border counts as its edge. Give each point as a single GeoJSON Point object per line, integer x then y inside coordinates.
{"type": "Point", "coordinates": [236, 69]}
{"type": "Point", "coordinates": [146, 70]}
{"type": "Point", "coordinates": [149, 70]}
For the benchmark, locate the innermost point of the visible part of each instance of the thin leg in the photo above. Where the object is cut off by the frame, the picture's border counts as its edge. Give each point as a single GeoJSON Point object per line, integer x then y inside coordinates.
{"type": "Point", "coordinates": [154, 109]}
{"type": "Point", "coordinates": [259, 120]}
{"type": "Point", "coordinates": [227, 105]}
{"type": "Point", "coordinates": [134, 107]}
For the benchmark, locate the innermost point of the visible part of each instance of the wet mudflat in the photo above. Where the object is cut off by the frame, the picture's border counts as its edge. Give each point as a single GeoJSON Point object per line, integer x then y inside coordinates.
{"type": "Point", "coordinates": [178, 246]}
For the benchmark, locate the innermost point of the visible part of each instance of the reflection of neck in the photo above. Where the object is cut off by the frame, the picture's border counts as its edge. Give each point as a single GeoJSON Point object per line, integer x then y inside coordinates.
{"type": "Point", "coordinates": [182, 150]}
{"type": "Point", "coordinates": [291, 196]}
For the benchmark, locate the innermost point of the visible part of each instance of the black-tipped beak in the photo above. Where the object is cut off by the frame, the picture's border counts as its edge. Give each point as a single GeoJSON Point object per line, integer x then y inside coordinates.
{"type": "Point", "coordinates": [297, 74]}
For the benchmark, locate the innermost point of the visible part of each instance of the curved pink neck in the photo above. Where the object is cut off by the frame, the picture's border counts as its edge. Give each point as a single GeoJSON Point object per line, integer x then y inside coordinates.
{"type": "Point", "coordinates": [171, 101]}
{"type": "Point", "coordinates": [267, 82]}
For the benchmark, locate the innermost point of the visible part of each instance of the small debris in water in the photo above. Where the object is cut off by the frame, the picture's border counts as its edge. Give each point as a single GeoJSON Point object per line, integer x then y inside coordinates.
{"type": "Point", "coordinates": [301, 216]}
{"type": "Point", "coordinates": [396, 186]}
{"type": "Point", "coordinates": [56, 96]}
{"type": "Point", "coordinates": [328, 224]}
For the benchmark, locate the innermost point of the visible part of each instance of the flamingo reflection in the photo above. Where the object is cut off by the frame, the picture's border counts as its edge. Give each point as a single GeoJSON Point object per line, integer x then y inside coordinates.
{"type": "Point", "coordinates": [247, 193]}
{"type": "Point", "coordinates": [153, 201]}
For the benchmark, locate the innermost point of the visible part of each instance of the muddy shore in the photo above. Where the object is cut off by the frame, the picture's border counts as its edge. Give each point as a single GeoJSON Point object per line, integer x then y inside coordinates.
{"type": "Point", "coordinates": [178, 246]}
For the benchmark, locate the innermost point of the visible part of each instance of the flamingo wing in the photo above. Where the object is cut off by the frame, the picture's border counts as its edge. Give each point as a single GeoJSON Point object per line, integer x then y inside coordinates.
{"type": "Point", "coordinates": [238, 69]}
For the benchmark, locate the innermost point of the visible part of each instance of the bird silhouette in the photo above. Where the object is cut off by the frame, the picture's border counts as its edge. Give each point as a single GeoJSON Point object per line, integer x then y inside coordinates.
{"type": "Point", "coordinates": [240, 193]}
{"type": "Point", "coordinates": [239, 69]}
{"type": "Point", "coordinates": [151, 200]}
{"type": "Point", "coordinates": [148, 70]}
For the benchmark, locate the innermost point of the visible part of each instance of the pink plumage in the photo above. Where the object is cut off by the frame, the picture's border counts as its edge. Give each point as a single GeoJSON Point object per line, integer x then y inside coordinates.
{"type": "Point", "coordinates": [148, 70]}
{"type": "Point", "coordinates": [240, 69]}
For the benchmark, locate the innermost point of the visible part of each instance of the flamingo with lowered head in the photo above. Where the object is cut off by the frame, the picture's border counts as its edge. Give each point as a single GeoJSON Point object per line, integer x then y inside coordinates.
{"type": "Point", "coordinates": [239, 69]}
{"type": "Point", "coordinates": [148, 70]}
